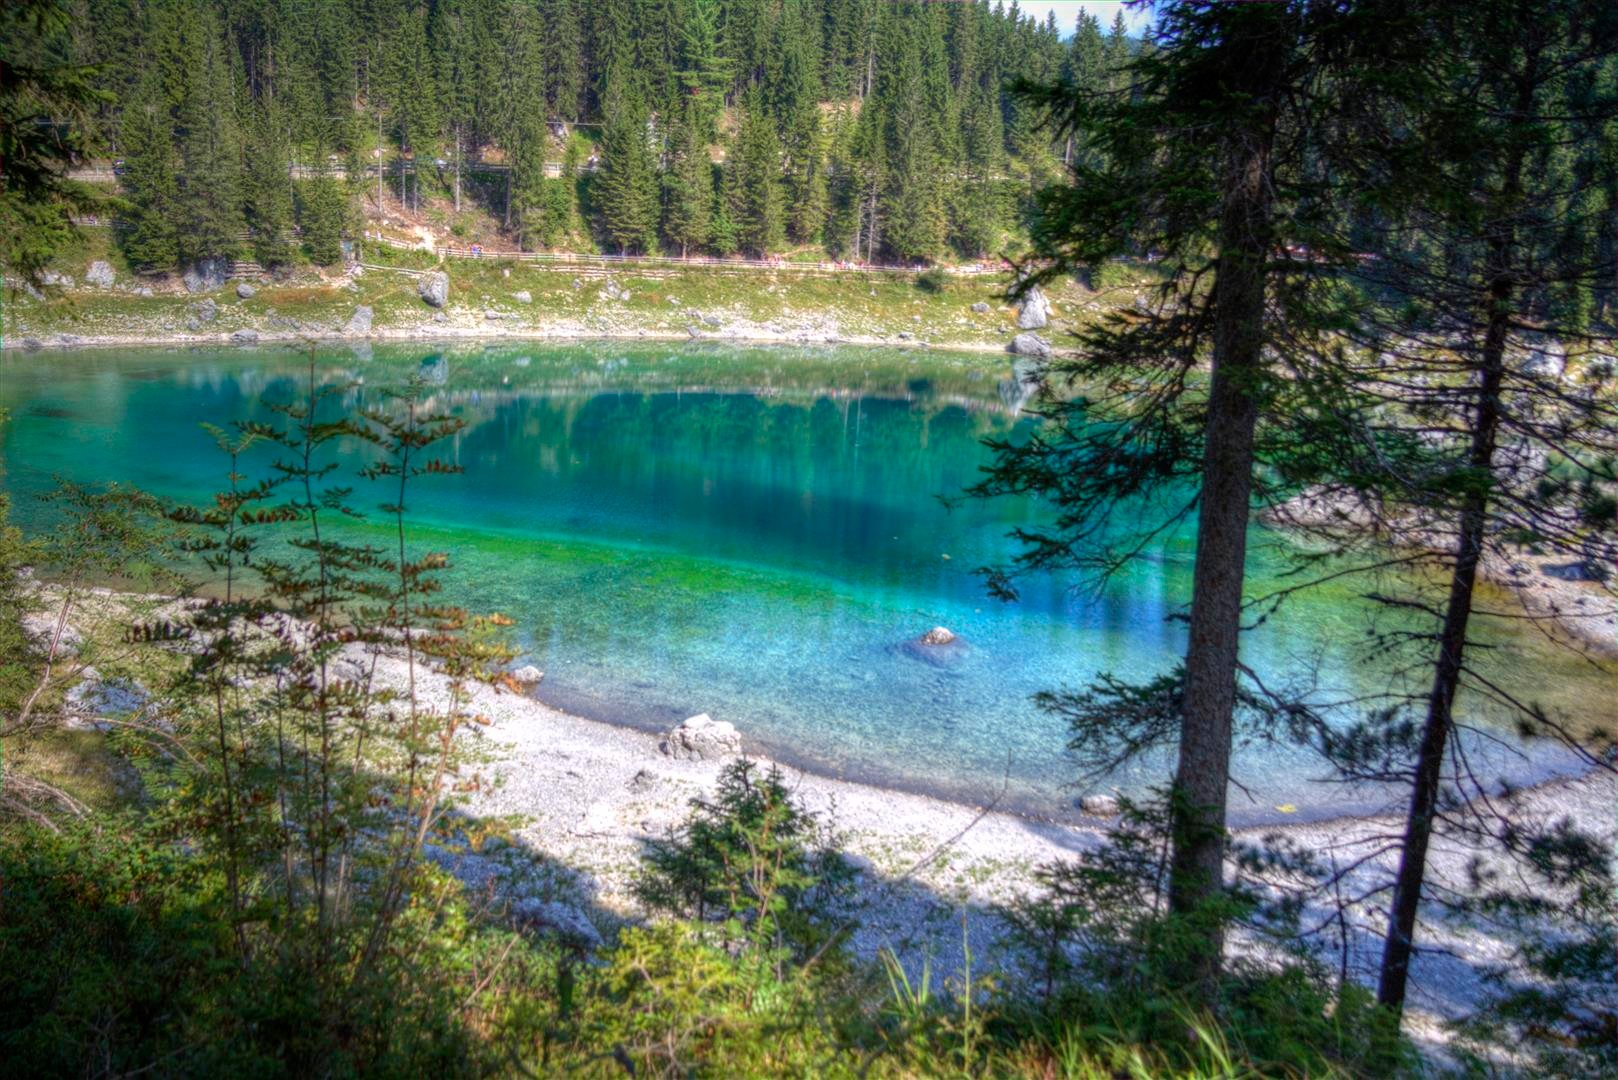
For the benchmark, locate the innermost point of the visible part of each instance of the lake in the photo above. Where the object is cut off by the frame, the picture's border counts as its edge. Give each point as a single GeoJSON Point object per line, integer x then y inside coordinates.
{"type": "Point", "coordinates": [758, 534]}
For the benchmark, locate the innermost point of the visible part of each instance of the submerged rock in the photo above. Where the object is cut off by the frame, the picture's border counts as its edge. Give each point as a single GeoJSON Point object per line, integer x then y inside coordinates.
{"type": "Point", "coordinates": [702, 738]}
{"type": "Point", "coordinates": [433, 288]}
{"type": "Point", "coordinates": [938, 635]}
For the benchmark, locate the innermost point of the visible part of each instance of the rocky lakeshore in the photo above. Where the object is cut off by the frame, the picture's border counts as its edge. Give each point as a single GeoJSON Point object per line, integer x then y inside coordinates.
{"type": "Point", "coordinates": [587, 796]}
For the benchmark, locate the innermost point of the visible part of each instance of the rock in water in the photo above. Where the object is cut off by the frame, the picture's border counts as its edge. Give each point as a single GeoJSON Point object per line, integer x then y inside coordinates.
{"type": "Point", "coordinates": [1034, 311]}
{"type": "Point", "coordinates": [938, 635]}
{"type": "Point", "coordinates": [528, 675]}
{"type": "Point", "coordinates": [360, 321]}
{"type": "Point", "coordinates": [434, 288]}
{"type": "Point", "coordinates": [100, 275]}
{"type": "Point", "coordinates": [1030, 345]}
{"type": "Point", "coordinates": [245, 291]}
{"type": "Point", "coordinates": [702, 738]}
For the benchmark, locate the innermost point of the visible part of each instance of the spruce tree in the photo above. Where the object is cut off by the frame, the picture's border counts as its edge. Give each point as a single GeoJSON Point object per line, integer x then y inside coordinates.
{"type": "Point", "coordinates": [688, 187]}
{"type": "Point", "coordinates": [626, 189]}
{"type": "Point", "coordinates": [151, 237]}
{"type": "Point", "coordinates": [269, 184]}
{"type": "Point", "coordinates": [209, 219]}
{"type": "Point", "coordinates": [754, 202]}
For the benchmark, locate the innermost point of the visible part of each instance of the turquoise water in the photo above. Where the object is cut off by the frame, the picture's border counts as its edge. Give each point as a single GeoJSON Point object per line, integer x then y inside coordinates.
{"type": "Point", "coordinates": [755, 534]}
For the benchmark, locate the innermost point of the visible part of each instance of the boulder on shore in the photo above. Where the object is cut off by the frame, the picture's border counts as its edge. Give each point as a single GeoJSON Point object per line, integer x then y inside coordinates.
{"type": "Point", "coordinates": [360, 321]}
{"type": "Point", "coordinates": [1105, 806]}
{"type": "Point", "coordinates": [244, 336]}
{"type": "Point", "coordinates": [938, 635]}
{"type": "Point", "coordinates": [528, 675]}
{"type": "Point", "coordinates": [433, 288]}
{"type": "Point", "coordinates": [702, 738]}
{"type": "Point", "coordinates": [1030, 344]}
{"type": "Point", "coordinates": [100, 275]}
{"type": "Point", "coordinates": [566, 922]}
{"type": "Point", "coordinates": [1034, 312]}
{"type": "Point", "coordinates": [523, 296]}
{"type": "Point", "coordinates": [206, 274]}
{"type": "Point", "coordinates": [244, 291]}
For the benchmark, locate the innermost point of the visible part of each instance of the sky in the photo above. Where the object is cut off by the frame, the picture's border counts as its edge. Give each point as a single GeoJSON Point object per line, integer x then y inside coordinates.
{"type": "Point", "coordinates": [1067, 12]}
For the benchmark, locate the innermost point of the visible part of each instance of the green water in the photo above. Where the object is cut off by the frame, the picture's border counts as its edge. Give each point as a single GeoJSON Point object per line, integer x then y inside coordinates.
{"type": "Point", "coordinates": [756, 534]}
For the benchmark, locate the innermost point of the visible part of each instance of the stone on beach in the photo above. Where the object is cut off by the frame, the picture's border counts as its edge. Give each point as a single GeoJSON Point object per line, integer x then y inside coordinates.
{"type": "Point", "coordinates": [100, 275]}
{"type": "Point", "coordinates": [528, 675]}
{"type": "Point", "coordinates": [1105, 806]}
{"type": "Point", "coordinates": [938, 635]}
{"type": "Point", "coordinates": [702, 738]}
{"type": "Point", "coordinates": [1030, 344]}
{"type": "Point", "coordinates": [1034, 311]}
{"type": "Point", "coordinates": [563, 920]}
{"type": "Point", "coordinates": [433, 288]}
{"type": "Point", "coordinates": [360, 321]}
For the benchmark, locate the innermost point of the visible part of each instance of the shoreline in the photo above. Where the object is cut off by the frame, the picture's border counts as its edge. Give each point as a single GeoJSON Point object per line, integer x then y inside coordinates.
{"type": "Point", "coordinates": [435, 333]}
{"type": "Point", "coordinates": [933, 872]}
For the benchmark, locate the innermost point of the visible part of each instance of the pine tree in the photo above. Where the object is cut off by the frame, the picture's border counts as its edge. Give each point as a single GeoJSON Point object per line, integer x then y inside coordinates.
{"type": "Point", "coordinates": [565, 58]}
{"type": "Point", "coordinates": [753, 197]}
{"type": "Point", "coordinates": [688, 186]}
{"type": "Point", "coordinates": [269, 184]}
{"type": "Point", "coordinates": [151, 240]}
{"type": "Point", "coordinates": [703, 74]}
{"type": "Point", "coordinates": [210, 204]}
{"type": "Point", "coordinates": [913, 209]}
{"type": "Point", "coordinates": [626, 189]}
{"type": "Point", "coordinates": [323, 212]}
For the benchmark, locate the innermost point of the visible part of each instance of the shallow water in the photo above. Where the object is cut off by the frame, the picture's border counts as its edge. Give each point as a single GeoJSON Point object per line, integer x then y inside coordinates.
{"type": "Point", "coordinates": [757, 534]}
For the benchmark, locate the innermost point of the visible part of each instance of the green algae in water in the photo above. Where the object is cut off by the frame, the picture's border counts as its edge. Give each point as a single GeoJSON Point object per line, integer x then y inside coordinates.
{"type": "Point", "coordinates": [758, 534]}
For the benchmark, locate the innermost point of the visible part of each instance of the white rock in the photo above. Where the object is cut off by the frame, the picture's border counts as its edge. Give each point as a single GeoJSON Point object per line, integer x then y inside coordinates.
{"type": "Point", "coordinates": [1099, 806]}
{"type": "Point", "coordinates": [434, 288]}
{"type": "Point", "coordinates": [245, 291]}
{"type": "Point", "coordinates": [1030, 344]}
{"type": "Point", "coordinates": [703, 738]}
{"type": "Point", "coordinates": [523, 296]}
{"type": "Point", "coordinates": [938, 635]}
{"type": "Point", "coordinates": [100, 275]}
{"type": "Point", "coordinates": [360, 321]}
{"type": "Point", "coordinates": [563, 920]}
{"type": "Point", "coordinates": [981, 308]}
{"type": "Point", "coordinates": [244, 336]}
{"type": "Point", "coordinates": [528, 675]}
{"type": "Point", "coordinates": [1034, 311]}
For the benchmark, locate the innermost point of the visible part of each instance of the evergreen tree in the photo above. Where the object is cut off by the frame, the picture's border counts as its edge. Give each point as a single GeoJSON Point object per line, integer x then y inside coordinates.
{"type": "Point", "coordinates": [626, 188]}
{"type": "Point", "coordinates": [269, 184]}
{"type": "Point", "coordinates": [703, 74]}
{"type": "Point", "coordinates": [151, 238]}
{"type": "Point", "coordinates": [912, 210]}
{"type": "Point", "coordinates": [688, 187]}
{"type": "Point", "coordinates": [754, 202]}
{"type": "Point", "coordinates": [323, 213]}
{"type": "Point", "coordinates": [210, 205]}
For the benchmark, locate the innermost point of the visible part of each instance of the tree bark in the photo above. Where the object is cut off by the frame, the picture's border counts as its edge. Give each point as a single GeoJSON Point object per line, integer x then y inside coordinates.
{"type": "Point", "coordinates": [1399, 945]}
{"type": "Point", "coordinates": [1202, 775]}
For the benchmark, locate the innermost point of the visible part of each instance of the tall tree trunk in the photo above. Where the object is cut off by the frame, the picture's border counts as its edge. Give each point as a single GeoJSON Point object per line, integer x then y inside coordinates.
{"type": "Point", "coordinates": [1202, 775]}
{"type": "Point", "coordinates": [1399, 945]}
{"type": "Point", "coordinates": [457, 169]}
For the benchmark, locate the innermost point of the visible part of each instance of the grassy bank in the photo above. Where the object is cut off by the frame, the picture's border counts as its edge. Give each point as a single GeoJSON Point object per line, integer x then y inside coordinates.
{"type": "Point", "coordinates": [562, 301]}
